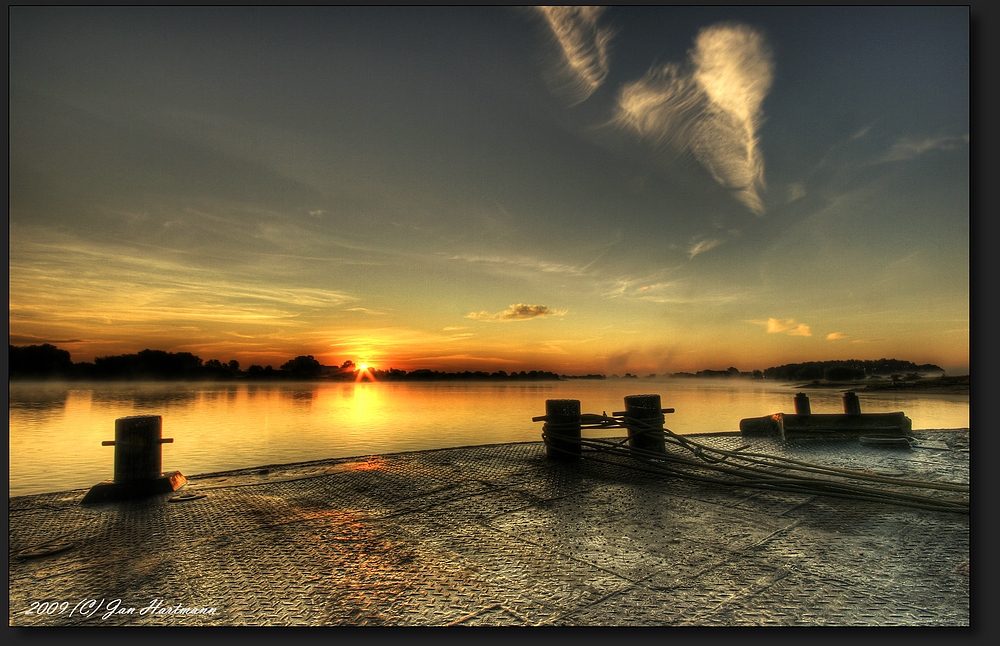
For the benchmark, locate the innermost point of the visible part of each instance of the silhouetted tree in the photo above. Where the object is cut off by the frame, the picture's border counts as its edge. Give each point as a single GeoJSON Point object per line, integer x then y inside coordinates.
{"type": "Point", "coordinates": [149, 364]}
{"type": "Point", "coordinates": [843, 373]}
{"type": "Point", "coordinates": [302, 367]}
{"type": "Point", "coordinates": [44, 360]}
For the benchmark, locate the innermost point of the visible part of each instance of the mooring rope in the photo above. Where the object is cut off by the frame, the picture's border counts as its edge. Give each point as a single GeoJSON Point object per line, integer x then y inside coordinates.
{"type": "Point", "coordinates": [693, 460]}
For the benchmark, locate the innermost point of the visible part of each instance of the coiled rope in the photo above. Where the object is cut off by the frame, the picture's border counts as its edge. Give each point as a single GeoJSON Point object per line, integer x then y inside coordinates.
{"type": "Point", "coordinates": [692, 460]}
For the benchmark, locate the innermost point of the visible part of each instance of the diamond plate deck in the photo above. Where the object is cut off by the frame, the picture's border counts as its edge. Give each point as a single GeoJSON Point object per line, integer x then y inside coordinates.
{"type": "Point", "coordinates": [498, 535]}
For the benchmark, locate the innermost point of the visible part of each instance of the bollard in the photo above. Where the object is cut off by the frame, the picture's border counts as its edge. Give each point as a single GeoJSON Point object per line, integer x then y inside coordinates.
{"type": "Point", "coordinates": [802, 404]}
{"type": "Point", "coordinates": [562, 429]}
{"type": "Point", "coordinates": [852, 405]}
{"type": "Point", "coordinates": [137, 448]}
{"type": "Point", "coordinates": [138, 458]}
{"type": "Point", "coordinates": [647, 409]}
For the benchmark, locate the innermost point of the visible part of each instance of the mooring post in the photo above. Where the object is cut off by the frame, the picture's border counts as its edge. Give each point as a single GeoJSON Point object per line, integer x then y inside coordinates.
{"type": "Point", "coordinates": [138, 455]}
{"type": "Point", "coordinates": [138, 459]}
{"type": "Point", "coordinates": [852, 405]}
{"type": "Point", "coordinates": [802, 404]}
{"type": "Point", "coordinates": [646, 411]}
{"type": "Point", "coordinates": [562, 429]}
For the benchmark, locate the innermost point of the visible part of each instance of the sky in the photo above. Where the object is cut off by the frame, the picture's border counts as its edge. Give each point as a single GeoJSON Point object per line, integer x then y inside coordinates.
{"type": "Point", "coordinates": [580, 190]}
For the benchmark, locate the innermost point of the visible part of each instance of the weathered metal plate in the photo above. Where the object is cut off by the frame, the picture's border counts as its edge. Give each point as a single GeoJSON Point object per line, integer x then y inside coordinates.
{"type": "Point", "coordinates": [498, 535]}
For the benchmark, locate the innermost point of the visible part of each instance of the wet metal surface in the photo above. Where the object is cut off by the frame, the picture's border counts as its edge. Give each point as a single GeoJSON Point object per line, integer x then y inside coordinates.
{"type": "Point", "coordinates": [498, 535]}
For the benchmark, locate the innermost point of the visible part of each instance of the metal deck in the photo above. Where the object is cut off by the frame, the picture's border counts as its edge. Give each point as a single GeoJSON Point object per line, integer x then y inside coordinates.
{"type": "Point", "coordinates": [498, 535]}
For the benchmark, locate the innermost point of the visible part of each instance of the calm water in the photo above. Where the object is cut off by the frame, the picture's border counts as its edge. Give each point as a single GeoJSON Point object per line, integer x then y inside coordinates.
{"type": "Point", "coordinates": [56, 429]}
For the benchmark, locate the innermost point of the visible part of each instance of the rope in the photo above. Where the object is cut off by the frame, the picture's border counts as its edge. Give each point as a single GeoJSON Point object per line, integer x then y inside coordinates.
{"type": "Point", "coordinates": [689, 459]}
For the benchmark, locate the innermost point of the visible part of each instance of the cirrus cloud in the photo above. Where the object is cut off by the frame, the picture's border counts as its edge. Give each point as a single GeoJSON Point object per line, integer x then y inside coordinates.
{"type": "Point", "coordinates": [711, 107]}
{"type": "Point", "coordinates": [516, 312]}
{"type": "Point", "coordinates": [584, 44]}
{"type": "Point", "coordinates": [702, 246]}
{"type": "Point", "coordinates": [910, 148]}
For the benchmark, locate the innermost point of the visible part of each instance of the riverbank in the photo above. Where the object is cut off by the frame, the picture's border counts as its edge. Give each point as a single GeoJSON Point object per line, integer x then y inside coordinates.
{"type": "Point", "coordinates": [958, 385]}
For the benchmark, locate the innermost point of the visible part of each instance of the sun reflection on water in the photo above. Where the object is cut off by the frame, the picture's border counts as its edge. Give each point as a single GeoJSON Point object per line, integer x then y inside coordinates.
{"type": "Point", "coordinates": [55, 431]}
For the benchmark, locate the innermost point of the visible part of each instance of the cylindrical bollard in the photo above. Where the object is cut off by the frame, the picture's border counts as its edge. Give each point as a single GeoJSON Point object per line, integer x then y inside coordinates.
{"type": "Point", "coordinates": [802, 404]}
{"type": "Point", "coordinates": [137, 462]}
{"type": "Point", "coordinates": [852, 405]}
{"type": "Point", "coordinates": [138, 455]}
{"type": "Point", "coordinates": [645, 409]}
{"type": "Point", "coordinates": [562, 429]}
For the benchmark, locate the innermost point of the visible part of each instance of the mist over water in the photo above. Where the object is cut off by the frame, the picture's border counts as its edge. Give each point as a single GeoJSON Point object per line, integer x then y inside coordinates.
{"type": "Point", "coordinates": [56, 429]}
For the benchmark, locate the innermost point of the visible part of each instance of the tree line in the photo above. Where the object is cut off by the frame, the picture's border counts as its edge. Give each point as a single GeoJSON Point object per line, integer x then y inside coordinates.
{"type": "Point", "coordinates": [850, 370]}
{"type": "Point", "coordinates": [46, 361]}
{"type": "Point", "coordinates": [846, 370]}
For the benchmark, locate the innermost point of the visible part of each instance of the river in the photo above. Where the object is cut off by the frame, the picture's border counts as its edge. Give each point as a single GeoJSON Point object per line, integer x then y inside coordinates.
{"type": "Point", "coordinates": [56, 429]}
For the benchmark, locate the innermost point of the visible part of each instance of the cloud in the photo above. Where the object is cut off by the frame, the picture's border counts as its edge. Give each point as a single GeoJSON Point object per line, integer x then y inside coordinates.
{"type": "Point", "coordinates": [788, 326]}
{"type": "Point", "coordinates": [702, 246]}
{"type": "Point", "coordinates": [524, 263]}
{"type": "Point", "coordinates": [364, 310]}
{"type": "Point", "coordinates": [796, 191]}
{"type": "Point", "coordinates": [860, 134]}
{"type": "Point", "coordinates": [517, 312]}
{"type": "Point", "coordinates": [710, 108]}
{"type": "Point", "coordinates": [907, 148]}
{"type": "Point", "coordinates": [584, 44]}
{"type": "Point", "coordinates": [86, 285]}
{"type": "Point", "coordinates": [29, 339]}
{"type": "Point", "coordinates": [834, 336]}
{"type": "Point", "coordinates": [784, 326]}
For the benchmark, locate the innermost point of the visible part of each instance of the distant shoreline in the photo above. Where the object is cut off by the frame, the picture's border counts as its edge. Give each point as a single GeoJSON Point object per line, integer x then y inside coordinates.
{"type": "Point", "coordinates": [939, 386]}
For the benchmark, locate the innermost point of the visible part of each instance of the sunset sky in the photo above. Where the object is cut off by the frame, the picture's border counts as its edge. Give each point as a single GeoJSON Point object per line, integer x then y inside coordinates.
{"type": "Point", "coordinates": [641, 189]}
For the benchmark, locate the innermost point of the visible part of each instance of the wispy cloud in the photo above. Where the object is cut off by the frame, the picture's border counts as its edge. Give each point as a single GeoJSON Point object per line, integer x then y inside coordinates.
{"type": "Point", "coordinates": [87, 284]}
{"type": "Point", "coordinates": [784, 326]}
{"type": "Point", "coordinates": [517, 312]}
{"type": "Point", "coordinates": [702, 246]}
{"type": "Point", "coordinates": [524, 263]}
{"type": "Point", "coordinates": [796, 191]}
{"type": "Point", "coordinates": [584, 44]}
{"type": "Point", "coordinates": [365, 310]}
{"type": "Point", "coordinates": [909, 148]}
{"type": "Point", "coordinates": [861, 134]}
{"type": "Point", "coordinates": [660, 288]}
{"type": "Point", "coordinates": [710, 108]}
{"type": "Point", "coordinates": [834, 336]}
{"type": "Point", "coordinates": [30, 339]}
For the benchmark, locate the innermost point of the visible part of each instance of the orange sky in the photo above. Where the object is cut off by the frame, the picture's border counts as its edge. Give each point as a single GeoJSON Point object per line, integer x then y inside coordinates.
{"type": "Point", "coordinates": [642, 190]}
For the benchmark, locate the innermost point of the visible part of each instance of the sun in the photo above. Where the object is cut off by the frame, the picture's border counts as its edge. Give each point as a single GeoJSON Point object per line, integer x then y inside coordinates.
{"type": "Point", "coordinates": [364, 372]}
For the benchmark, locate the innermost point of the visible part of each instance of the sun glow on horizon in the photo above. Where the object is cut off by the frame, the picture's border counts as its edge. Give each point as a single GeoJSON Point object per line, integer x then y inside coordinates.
{"type": "Point", "coordinates": [364, 372]}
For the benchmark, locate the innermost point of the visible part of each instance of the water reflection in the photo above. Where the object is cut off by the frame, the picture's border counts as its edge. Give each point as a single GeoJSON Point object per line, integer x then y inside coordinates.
{"type": "Point", "coordinates": [144, 397]}
{"type": "Point", "coordinates": [226, 426]}
{"type": "Point", "coordinates": [299, 397]}
{"type": "Point", "coordinates": [37, 398]}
